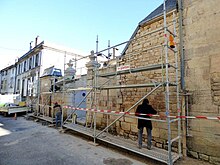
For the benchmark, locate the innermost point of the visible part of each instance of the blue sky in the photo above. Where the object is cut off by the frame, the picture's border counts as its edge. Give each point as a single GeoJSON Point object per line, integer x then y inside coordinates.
{"type": "Point", "coordinates": [71, 23]}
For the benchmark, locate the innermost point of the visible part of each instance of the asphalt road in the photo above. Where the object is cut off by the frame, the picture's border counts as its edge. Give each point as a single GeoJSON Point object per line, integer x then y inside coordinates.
{"type": "Point", "coordinates": [25, 142]}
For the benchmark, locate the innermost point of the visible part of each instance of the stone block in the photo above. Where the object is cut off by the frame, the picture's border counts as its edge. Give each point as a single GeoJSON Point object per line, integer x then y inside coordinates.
{"type": "Point", "coordinates": [132, 137]}
{"type": "Point", "coordinates": [208, 126]}
{"type": "Point", "coordinates": [156, 132]}
{"type": "Point", "coordinates": [174, 149]}
{"type": "Point", "coordinates": [130, 120]}
{"type": "Point", "coordinates": [125, 126]}
{"type": "Point", "coordinates": [193, 154]}
{"type": "Point", "coordinates": [214, 160]}
{"type": "Point", "coordinates": [215, 77]}
{"type": "Point", "coordinates": [203, 157]}
{"type": "Point", "coordinates": [204, 108]}
{"type": "Point", "coordinates": [204, 143]}
{"type": "Point", "coordinates": [134, 128]}
{"type": "Point", "coordinates": [159, 145]}
{"type": "Point", "coordinates": [215, 63]}
{"type": "Point", "coordinates": [198, 62]}
{"type": "Point", "coordinates": [113, 117]}
{"type": "Point", "coordinates": [163, 134]}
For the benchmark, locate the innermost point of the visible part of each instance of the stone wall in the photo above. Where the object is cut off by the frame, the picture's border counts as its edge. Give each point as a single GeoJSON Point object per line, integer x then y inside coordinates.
{"type": "Point", "coordinates": [202, 76]}
{"type": "Point", "coordinates": [138, 55]}
{"type": "Point", "coordinates": [105, 99]}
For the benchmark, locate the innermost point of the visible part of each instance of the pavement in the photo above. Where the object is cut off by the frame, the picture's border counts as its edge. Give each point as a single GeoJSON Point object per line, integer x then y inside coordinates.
{"type": "Point", "coordinates": [26, 142]}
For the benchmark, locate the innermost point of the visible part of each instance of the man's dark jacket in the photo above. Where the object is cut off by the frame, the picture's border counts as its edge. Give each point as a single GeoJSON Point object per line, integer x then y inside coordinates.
{"type": "Point", "coordinates": [145, 109]}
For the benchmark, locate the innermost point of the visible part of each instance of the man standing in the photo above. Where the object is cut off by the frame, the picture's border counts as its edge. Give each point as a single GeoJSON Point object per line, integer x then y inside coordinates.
{"type": "Point", "coordinates": [141, 111]}
{"type": "Point", "coordinates": [58, 113]}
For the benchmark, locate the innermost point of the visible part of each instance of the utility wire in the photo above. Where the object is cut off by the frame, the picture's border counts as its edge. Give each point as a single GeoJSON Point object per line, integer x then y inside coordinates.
{"type": "Point", "coordinates": [1, 47]}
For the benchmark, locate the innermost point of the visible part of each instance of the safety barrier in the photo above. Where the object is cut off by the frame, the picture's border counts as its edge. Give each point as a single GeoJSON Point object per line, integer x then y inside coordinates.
{"type": "Point", "coordinates": [140, 114]}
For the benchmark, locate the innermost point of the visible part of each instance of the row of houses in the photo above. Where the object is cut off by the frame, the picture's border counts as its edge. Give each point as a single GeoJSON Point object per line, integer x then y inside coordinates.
{"type": "Point", "coordinates": [22, 77]}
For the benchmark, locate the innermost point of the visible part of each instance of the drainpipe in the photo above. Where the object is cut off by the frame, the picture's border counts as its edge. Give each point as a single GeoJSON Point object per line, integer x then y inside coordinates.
{"type": "Point", "coordinates": [182, 72]}
{"type": "Point", "coordinates": [15, 84]}
{"type": "Point", "coordinates": [182, 62]}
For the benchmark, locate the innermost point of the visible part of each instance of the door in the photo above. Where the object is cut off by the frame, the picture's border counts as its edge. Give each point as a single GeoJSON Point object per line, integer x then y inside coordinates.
{"type": "Point", "coordinates": [79, 96]}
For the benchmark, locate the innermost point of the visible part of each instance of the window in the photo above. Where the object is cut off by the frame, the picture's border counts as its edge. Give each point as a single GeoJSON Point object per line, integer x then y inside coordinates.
{"type": "Point", "coordinates": [18, 84]}
{"type": "Point", "coordinates": [57, 72]}
{"type": "Point", "coordinates": [11, 82]}
{"type": "Point", "coordinates": [5, 84]}
{"type": "Point", "coordinates": [19, 67]}
{"type": "Point", "coordinates": [25, 64]}
{"type": "Point", "coordinates": [36, 60]}
{"type": "Point", "coordinates": [30, 61]}
{"type": "Point", "coordinates": [2, 84]}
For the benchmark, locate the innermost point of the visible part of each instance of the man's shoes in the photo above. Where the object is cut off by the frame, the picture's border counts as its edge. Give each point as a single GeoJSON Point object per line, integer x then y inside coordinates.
{"type": "Point", "coordinates": [139, 146]}
{"type": "Point", "coordinates": [149, 147]}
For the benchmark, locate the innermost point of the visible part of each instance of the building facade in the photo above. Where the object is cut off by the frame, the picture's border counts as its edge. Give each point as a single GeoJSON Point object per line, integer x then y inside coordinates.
{"type": "Point", "coordinates": [8, 80]}
{"type": "Point", "coordinates": [23, 77]}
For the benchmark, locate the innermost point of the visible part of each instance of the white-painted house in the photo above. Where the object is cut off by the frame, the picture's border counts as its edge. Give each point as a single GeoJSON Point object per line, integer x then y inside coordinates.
{"type": "Point", "coordinates": [7, 76]}
{"type": "Point", "coordinates": [25, 73]}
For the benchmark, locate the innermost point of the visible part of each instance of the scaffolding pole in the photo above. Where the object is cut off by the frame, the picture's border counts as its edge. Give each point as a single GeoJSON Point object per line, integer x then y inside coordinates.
{"type": "Point", "coordinates": [167, 99]}
{"type": "Point", "coordinates": [177, 86]}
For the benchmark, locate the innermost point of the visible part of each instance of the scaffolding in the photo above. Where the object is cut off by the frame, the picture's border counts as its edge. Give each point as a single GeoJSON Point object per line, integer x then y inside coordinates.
{"type": "Point", "coordinates": [48, 94]}
{"type": "Point", "coordinates": [168, 156]}
{"type": "Point", "coordinates": [89, 127]}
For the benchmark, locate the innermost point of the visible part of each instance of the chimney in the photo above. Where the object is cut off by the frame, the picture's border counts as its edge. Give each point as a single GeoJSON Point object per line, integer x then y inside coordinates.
{"type": "Point", "coordinates": [36, 40]}
{"type": "Point", "coordinates": [31, 45]}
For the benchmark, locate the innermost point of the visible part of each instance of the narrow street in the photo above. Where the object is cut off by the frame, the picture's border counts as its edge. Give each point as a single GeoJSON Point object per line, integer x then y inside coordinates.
{"type": "Point", "coordinates": [26, 142]}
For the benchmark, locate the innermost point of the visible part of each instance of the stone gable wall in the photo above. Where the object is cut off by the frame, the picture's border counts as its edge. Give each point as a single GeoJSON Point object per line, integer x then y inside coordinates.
{"type": "Point", "coordinates": [139, 55]}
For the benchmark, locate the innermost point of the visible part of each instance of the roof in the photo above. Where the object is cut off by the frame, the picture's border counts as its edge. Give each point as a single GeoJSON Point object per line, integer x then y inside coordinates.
{"type": "Point", "coordinates": [7, 68]}
{"type": "Point", "coordinates": [37, 47]}
{"type": "Point", "coordinates": [55, 47]}
{"type": "Point", "coordinates": [52, 71]}
{"type": "Point", "coordinates": [170, 5]}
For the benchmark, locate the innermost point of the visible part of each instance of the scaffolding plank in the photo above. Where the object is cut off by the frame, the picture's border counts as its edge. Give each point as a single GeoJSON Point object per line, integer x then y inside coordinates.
{"type": "Point", "coordinates": [134, 70]}
{"type": "Point", "coordinates": [46, 118]}
{"type": "Point", "coordinates": [130, 86]}
{"type": "Point", "coordinates": [79, 129]}
{"type": "Point", "coordinates": [79, 89]}
{"type": "Point", "coordinates": [61, 82]}
{"type": "Point", "coordinates": [127, 144]}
